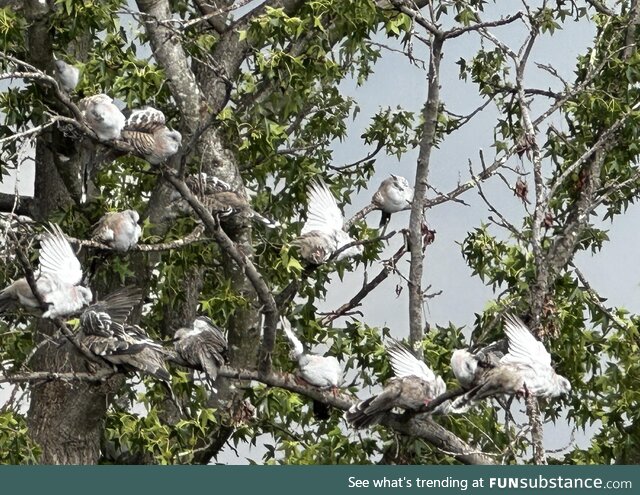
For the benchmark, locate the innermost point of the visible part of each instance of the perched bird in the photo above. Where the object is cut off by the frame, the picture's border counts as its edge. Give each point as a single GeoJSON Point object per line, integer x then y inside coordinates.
{"type": "Point", "coordinates": [413, 386]}
{"type": "Point", "coordinates": [146, 131]}
{"type": "Point", "coordinates": [57, 280]}
{"type": "Point", "coordinates": [125, 345]}
{"type": "Point", "coordinates": [316, 370]}
{"type": "Point", "coordinates": [118, 230]}
{"type": "Point", "coordinates": [394, 194]}
{"type": "Point", "coordinates": [220, 198]}
{"type": "Point", "coordinates": [524, 370]}
{"type": "Point", "coordinates": [469, 368]}
{"type": "Point", "coordinates": [323, 234]}
{"type": "Point", "coordinates": [114, 308]}
{"type": "Point", "coordinates": [203, 346]}
{"type": "Point", "coordinates": [67, 75]}
{"type": "Point", "coordinates": [102, 116]}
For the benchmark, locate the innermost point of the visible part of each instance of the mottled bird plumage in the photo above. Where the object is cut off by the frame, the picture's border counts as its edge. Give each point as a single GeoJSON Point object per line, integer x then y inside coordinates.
{"type": "Point", "coordinates": [323, 231]}
{"type": "Point", "coordinates": [57, 280]}
{"type": "Point", "coordinates": [145, 130]}
{"type": "Point", "coordinates": [203, 346]}
{"type": "Point", "coordinates": [118, 230]}
{"type": "Point", "coordinates": [413, 386]}
{"type": "Point", "coordinates": [394, 194]}
{"type": "Point", "coordinates": [524, 370]}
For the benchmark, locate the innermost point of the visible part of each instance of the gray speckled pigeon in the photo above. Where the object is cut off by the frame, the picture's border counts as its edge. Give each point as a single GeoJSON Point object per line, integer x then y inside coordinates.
{"type": "Point", "coordinates": [102, 116]}
{"type": "Point", "coordinates": [118, 230]}
{"type": "Point", "coordinates": [413, 386]}
{"type": "Point", "coordinates": [525, 370]}
{"type": "Point", "coordinates": [393, 195]}
{"type": "Point", "coordinates": [146, 131]}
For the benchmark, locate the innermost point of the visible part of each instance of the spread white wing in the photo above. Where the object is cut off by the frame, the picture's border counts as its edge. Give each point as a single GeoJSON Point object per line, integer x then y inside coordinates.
{"type": "Point", "coordinates": [323, 213]}
{"type": "Point", "coordinates": [58, 259]}
{"type": "Point", "coordinates": [524, 348]}
{"type": "Point", "coordinates": [295, 342]}
{"type": "Point", "coordinates": [404, 363]}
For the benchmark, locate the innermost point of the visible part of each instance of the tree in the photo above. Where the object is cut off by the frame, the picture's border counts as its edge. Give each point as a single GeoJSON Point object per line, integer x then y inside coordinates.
{"type": "Point", "coordinates": [256, 94]}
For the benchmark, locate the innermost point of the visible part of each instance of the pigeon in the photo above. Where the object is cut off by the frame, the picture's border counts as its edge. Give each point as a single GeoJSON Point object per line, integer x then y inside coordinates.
{"type": "Point", "coordinates": [57, 280]}
{"type": "Point", "coordinates": [413, 386]}
{"type": "Point", "coordinates": [469, 368]}
{"type": "Point", "coordinates": [525, 370]}
{"type": "Point", "coordinates": [316, 370]}
{"type": "Point", "coordinates": [394, 194]}
{"type": "Point", "coordinates": [97, 318]}
{"type": "Point", "coordinates": [322, 234]}
{"type": "Point", "coordinates": [102, 116]}
{"type": "Point", "coordinates": [223, 202]}
{"type": "Point", "coordinates": [125, 345]}
{"type": "Point", "coordinates": [67, 75]}
{"type": "Point", "coordinates": [203, 346]}
{"type": "Point", "coordinates": [146, 131]}
{"type": "Point", "coordinates": [118, 230]}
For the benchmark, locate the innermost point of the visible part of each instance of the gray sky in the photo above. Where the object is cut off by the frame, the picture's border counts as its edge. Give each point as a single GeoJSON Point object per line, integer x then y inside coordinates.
{"type": "Point", "coordinates": [397, 83]}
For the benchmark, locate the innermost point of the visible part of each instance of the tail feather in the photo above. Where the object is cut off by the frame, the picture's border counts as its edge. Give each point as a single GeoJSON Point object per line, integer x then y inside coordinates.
{"type": "Point", "coordinates": [358, 417]}
{"type": "Point", "coordinates": [270, 224]}
{"type": "Point", "coordinates": [384, 219]}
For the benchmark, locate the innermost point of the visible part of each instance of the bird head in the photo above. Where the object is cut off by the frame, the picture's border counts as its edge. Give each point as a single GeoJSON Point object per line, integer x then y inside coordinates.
{"type": "Point", "coordinates": [85, 295]}
{"type": "Point", "coordinates": [464, 366]}
{"type": "Point", "coordinates": [400, 182]}
{"type": "Point", "coordinates": [134, 215]}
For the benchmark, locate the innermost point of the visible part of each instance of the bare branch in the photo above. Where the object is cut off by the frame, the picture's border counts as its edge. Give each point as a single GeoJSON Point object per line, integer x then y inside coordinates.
{"type": "Point", "coordinates": [46, 376]}
{"type": "Point", "coordinates": [354, 302]}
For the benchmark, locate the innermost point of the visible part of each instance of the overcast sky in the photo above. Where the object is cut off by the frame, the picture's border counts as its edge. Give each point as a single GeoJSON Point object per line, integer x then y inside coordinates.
{"type": "Point", "coordinates": [397, 83]}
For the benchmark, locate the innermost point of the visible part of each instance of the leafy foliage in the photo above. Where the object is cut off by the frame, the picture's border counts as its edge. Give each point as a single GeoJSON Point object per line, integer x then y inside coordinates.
{"type": "Point", "coordinates": [286, 112]}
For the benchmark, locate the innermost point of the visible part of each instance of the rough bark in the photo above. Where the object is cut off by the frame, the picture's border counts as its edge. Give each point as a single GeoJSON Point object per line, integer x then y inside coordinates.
{"type": "Point", "coordinates": [417, 218]}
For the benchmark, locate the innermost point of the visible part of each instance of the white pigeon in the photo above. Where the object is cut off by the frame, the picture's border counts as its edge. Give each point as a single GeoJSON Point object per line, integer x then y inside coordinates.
{"type": "Point", "coordinates": [118, 230]}
{"type": "Point", "coordinates": [323, 233]}
{"type": "Point", "coordinates": [146, 131]}
{"type": "Point", "coordinates": [525, 370]}
{"type": "Point", "coordinates": [316, 370]}
{"type": "Point", "coordinates": [469, 367]}
{"type": "Point", "coordinates": [413, 386]}
{"type": "Point", "coordinates": [67, 75]}
{"type": "Point", "coordinates": [203, 346]}
{"type": "Point", "coordinates": [394, 195]}
{"type": "Point", "coordinates": [57, 280]}
{"type": "Point", "coordinates": [102, 116]}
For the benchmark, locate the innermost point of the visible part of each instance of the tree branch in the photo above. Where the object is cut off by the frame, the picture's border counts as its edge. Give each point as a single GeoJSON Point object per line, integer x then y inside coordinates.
{"type": "Point", "coordinates": [416, 220]}
{"type": "Point", "coordinates": [265, 296]}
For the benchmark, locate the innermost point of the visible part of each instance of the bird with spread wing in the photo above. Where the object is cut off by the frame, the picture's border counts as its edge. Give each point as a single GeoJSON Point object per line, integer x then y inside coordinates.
{"type": "Point", "coordinates": [524, 370]}
{"type": "Point", "coordinates": [57, 280]}
{"type": "Point", "coordinates": [413, 386]}
{"type": "Point", "coordinates": [323, 232]}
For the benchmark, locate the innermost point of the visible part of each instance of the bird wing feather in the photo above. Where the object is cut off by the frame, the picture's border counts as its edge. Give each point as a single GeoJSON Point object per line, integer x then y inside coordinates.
{"type": "Point", "coordinates": [58, 259]}
{"type": "Point", "coordinates": [404, 363]}
{"type": "Point", "coordinates": [295, 342]}
{"type": "Point", "coordinates": [323, 213]}
{"type": "Point", "coordinates": [524, 348]}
